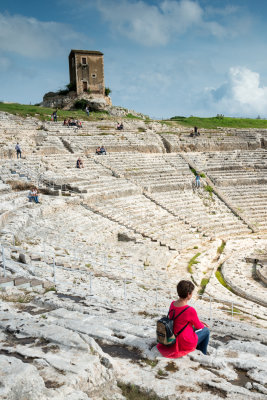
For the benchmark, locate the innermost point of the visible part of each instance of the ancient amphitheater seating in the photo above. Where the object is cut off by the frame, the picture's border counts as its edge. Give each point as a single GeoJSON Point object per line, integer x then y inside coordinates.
{"type": "Point", "coordinates": [145, 217]}
{"type": "Point", "coordinates": [211, 142]}
{"type": "Point", "coordinates": [250, 200]}
{"type": "Point", "coordinates": [209, 215]}
{"type": "Point", "coordinates": [118, 142]}
{"type": "Point", "coordinates": [50, 144]}
{"type": "Point", "coordinates": [229, 160]}
{"type": "Point", "coordinates": [241, 177]}
{"type": "Point", "coordinates": [246, 287]}
{"type": "Point", "coordinates": [152, 172]}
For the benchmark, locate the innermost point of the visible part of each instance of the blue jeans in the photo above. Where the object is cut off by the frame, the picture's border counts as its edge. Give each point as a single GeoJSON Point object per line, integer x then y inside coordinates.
{"type": "Point", "coordinates": [203, 340]}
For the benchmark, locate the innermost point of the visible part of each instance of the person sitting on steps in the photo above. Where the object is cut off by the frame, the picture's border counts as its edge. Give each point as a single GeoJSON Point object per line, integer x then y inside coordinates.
{"type": "Point", "coordinates": [103, 150]}
{"type": "Point", "coordinates": [98, 151]}
{"type": "Point", "coordinates": [79, 163]}
{"type": "Point", "coordinates": [33, 195]}
{"type": "Point", "coordinates": [119, 126]}
{"type": "Point", "coordinates": [195, 334]}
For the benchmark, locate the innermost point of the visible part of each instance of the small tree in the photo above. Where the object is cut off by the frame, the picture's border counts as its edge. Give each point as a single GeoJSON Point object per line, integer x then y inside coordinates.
{"type": "Point", "coordinates": [107, 91]}
{"type": "Point", "coordinates": [71, 86]}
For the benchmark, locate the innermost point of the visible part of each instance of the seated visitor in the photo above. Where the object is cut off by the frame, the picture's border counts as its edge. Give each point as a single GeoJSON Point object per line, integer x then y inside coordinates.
{"type": "Point", "coordinates": [79, 163]}
{"type": "Point", "coordinates": [195, 334]}
{"type": "Point", "coordinates": [103, 150]}
{"type": "Point", "coordinates": [71, 122]}
{"type": "Point", "coordinates": [65, 122]}
{"type": "Point", "coordinates": [119, 126]}
{"type": "Point", "coordinates": [31, 195]}
{"type": "Point", "coordinates": [35, 195]}
{"type": "Point", "coordinates": [98, 151]}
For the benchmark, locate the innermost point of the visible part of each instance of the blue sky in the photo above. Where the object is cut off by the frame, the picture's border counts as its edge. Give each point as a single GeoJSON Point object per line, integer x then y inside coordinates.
{"type": "Point", "coordinates": [162, 57]}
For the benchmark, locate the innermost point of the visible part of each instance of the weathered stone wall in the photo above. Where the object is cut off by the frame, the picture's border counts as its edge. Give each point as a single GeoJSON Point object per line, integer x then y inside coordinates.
{"type": "Point", "coordinates": [96, 101]}
{"type": "Point", "coordinates": [87, 71]}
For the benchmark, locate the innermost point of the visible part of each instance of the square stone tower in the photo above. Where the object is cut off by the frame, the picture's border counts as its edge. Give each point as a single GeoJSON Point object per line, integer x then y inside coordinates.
{"type": "Point", "coordinates": [87, 71]}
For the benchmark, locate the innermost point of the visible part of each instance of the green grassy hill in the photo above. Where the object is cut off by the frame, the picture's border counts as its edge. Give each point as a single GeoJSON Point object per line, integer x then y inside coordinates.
{"type": "Point", "coordinates": [215, 122]}
{"type": "Point", "coordinates": [44, 114]}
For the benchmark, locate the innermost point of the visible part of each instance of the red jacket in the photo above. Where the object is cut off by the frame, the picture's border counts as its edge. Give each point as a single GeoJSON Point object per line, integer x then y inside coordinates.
{"type": "Point", "coordinates": [187, 340]}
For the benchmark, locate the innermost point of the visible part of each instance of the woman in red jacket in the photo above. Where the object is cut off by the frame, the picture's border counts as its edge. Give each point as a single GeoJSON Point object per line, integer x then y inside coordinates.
{"type": "Point", "coordinates": [195, 335]}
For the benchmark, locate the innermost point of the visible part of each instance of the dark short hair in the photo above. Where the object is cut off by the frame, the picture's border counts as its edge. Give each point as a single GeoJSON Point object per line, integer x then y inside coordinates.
{"type": "Point", "coordinates": [184, 288]}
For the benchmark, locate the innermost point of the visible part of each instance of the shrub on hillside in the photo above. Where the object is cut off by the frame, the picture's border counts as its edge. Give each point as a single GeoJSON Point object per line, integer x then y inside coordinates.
{"type": "Point", "coordinates": [19, 185]}
{"type": "Point", "coordinates": [107, 91]}
{"type": "Point", "coordinates": [71, 87]}
{"type": "Point", "coordinates": [81, 104]}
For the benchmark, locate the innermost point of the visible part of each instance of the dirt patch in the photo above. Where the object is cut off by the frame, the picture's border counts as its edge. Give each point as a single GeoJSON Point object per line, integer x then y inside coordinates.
{"type": "Point", "coordinates": [146, 314]}
{"type": "Point", "coordinates": [119, 351]}
{"type": "Point", "coordinates": [32, 310]}
{"type": "Point", "coordinates": [76, 299]}
{"type": "Point", "coordinates": [213, 370]}
{"type": "Point", "coordinates": [15, 354]}
{"type": "Point", "coordinates": [214, 390]}
{"type": "Point", "coordinates": [117, 335]}
{"type": "Point", "coordinates": [51, 348]}
{"type": "Point", "coordinates": [224, 339]}
{"type": "Point", "coordinates": [242, 378]}
{"type": "Point", "coordinates": [133, 392]}
{"type": "Point", "coordinates": [52, 384]}
{"type": "Point", "coordinates": [13, 340]}
{"type": "Point", "coordinates": [171, 367]}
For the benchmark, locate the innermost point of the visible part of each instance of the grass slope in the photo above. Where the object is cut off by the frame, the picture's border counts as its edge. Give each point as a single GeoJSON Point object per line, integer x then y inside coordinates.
{"type": "Point", "coordinates": [44, 114]}
{"type": "Point", "coordinates": [215, 122]}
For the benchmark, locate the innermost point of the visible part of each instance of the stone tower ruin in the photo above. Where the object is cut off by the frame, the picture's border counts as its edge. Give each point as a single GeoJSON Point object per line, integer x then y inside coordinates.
{"type": "Point", "coordinates": [87, 71]}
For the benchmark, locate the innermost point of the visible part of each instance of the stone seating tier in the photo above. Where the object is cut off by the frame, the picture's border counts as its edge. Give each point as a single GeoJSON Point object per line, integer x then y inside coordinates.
{"type": "Point", "coordinates": [216, 161]}
{"type": "Point", "coordinates": [237, 177]}
{"type": "Point", "coordinates": [209, 215]}
{"type": "Point", "coordinates": [251, 201]}
{"type": "Point", "coordinates": [246, 287]}
{"type": "Point", "coordinates": [176, 143]}
{"type": "Point", "coordinates": [149, 219]}
{"type": "Point", "coordinates": [120, 143]}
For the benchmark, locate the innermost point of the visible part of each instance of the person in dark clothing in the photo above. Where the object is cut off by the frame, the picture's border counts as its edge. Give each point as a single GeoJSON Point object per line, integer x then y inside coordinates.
{"type": "Point", "coordinates": [18, 150]}
{"type": "Point", "coordinates": [103, 150]}
{"type": "Point", "coordinates": [79, 163]}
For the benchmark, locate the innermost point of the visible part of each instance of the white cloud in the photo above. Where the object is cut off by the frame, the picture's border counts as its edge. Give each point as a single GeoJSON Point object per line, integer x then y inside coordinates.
{"type": "Point", "coordinates": [33, 38]}
{"type": "Point", "coordinates": [155, 25]}
{"type": "Point", "coordinates": [241, 94]}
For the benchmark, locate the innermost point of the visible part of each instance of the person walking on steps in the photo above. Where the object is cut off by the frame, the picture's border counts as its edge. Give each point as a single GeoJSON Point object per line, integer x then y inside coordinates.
{"type": "Point", "coordinates": [194, 333]}
{"type": "Point", "coordinates": [18, 150]}
{"type": "Point", "coordinates": [55, 116]}
{"type": "Point", "coordinates": [197, 181]}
